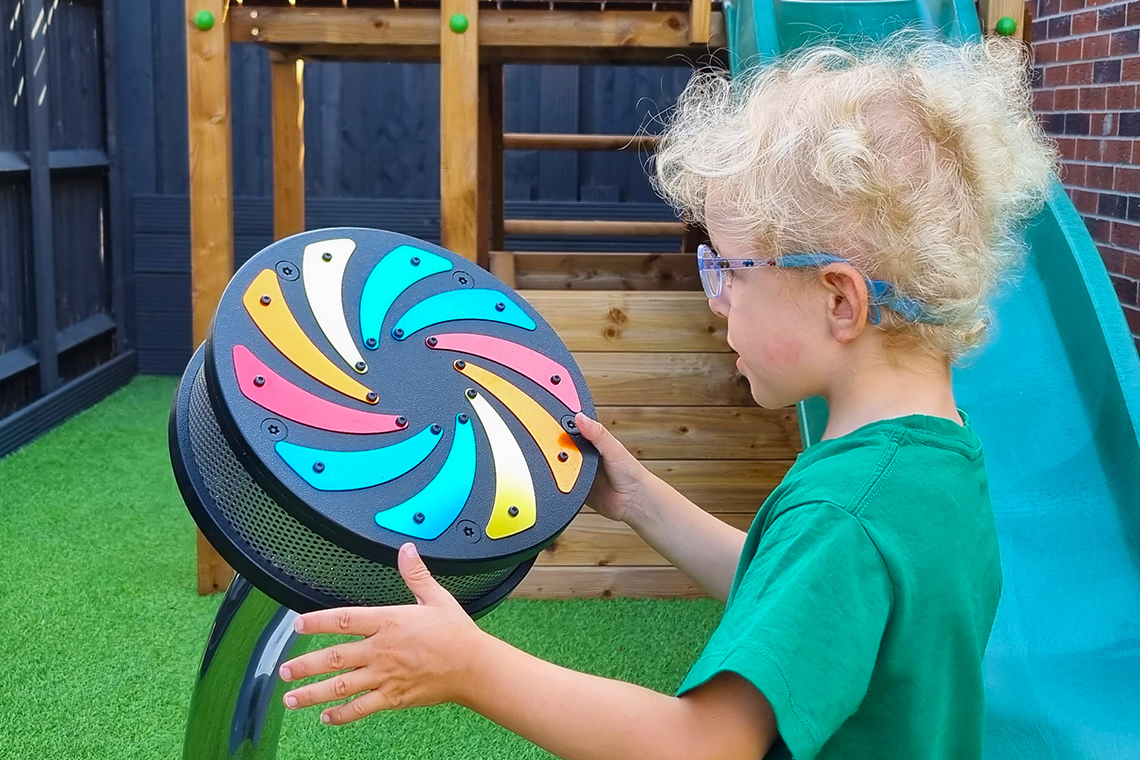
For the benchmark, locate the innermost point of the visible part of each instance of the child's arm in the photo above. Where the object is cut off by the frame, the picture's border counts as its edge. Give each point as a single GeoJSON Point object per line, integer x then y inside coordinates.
{"type": "Point", "coordinates": [704, 548]}
{"type": "Point", "coordinates": [433, 652]}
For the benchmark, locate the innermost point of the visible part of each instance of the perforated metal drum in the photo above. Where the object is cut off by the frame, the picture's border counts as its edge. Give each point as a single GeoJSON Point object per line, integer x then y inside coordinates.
{"type": "Point", "coordinates": [360, 389]}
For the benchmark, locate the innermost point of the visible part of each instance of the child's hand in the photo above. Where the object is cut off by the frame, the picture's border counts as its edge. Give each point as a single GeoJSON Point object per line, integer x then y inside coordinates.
{"type": "Point", "coordinates": [620, 483]}
{"type": "Point", "coordinates": [410, 656]}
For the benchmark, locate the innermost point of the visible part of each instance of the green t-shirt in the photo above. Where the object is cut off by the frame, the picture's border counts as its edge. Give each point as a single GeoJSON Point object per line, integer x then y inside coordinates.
{"type": "Point", "coordinates": [865, 595]}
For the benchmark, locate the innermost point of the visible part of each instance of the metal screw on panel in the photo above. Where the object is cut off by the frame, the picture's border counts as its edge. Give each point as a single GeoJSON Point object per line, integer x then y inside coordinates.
{"type": "Point", "coordinates": [361, 366]}
{"type": "Point", "coordinates": [563, 456]}
{"type": "Point", "coordinates": [432, 341]}
{"type": "Point", "coordinates": [500, 306]}
{"type": "Point", "coordinates": [265, 300]}
{"type": "Point", "coordinates": [463, 419]}
{"type": "Point", "coordinates": [286, 270]}
{"type": "Point", "coordinates": [401, 421]}
{"type": "Point", "coordinates": [569, 425]}
{"type": "Point", "coordinates": [555, 379]}
{"type": "Point", "coordinates": [415, 261]}
{"type": "Point", "coordinates": [468, 530]}
{"type": "Point", "coordinates": [318, 466]}
{"type": "Point", "coordinates": [513, 511]}
{"type": "Point", "coordinates": [326, 256]}
{"type": "Point", "coordinates": [274, 428]}
{"type": "Point", "coordinates": [259, 380]}
{"type": "Point", "coordinates": [254, 32]}
{"type": "Point", "coordinates": [471, 393]}
{"type": "Point", "coordinates": [371, 343]}
{"type": "Point", "coordinates": [460, 364]}
{"type": "Point", "coordinates": [436, 429]}
{"type": "Point", "coordinates": [398, 332]}
{"type": "Point", "coordinates": [418, 517]}
{"type": "Point", "coordinates": [371, 398]}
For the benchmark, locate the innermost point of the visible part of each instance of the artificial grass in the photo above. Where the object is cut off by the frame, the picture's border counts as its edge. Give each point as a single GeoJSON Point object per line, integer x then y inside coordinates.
{"type": "Point", "coordinates": [101, 630]}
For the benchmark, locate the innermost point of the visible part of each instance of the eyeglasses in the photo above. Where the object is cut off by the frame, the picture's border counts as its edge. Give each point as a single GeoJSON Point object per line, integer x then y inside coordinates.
{"type": "Point", "coordinates": [715, 271]}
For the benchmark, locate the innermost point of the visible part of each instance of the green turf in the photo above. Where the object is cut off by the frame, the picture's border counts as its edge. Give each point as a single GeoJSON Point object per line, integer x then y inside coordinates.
{"type": "Point", "coordinates": [101, 630]}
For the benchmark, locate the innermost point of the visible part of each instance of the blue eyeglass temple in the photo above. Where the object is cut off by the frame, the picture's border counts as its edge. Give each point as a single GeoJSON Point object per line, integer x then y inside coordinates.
{"type": "Point", "coordinates": [882, 293]}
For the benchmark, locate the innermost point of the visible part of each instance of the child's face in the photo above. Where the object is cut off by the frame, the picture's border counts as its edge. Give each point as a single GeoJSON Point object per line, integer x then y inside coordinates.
{"type": "Point", "coordinates": [775, 324]}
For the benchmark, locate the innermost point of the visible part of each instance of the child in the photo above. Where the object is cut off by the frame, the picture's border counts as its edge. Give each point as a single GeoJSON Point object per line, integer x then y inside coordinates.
{"type": "Point", "coordinates": [859, 210]}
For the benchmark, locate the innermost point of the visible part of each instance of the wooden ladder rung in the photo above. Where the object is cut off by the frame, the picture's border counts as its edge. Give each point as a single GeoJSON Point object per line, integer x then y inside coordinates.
{"type": "Point", "coordinates": [592, 228]}
{"type": "Point", "coordinates": [552, 141]}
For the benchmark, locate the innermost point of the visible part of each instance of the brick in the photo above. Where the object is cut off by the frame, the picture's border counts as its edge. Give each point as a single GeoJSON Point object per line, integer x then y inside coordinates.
{"type": "Point", "coordinates": [1067, 147]}
{"type": "Point", "coordinates": [1111, 204]}
{"type": "Point", "coordinates": [1133, 13]}
{"type": "Point", "coordinates": [1046, 52]}
{"type": "Point", "coordinates": [1079, 73]}
{"type": "Point", "coordinates": [1099, 177]}
{"type": "Point", "coordinates": [1113, 259]}
{"type": "Point", "coordinates": [1083, 23]}
{"type": "Point", "coordinates": [1084, 200]}
{"type": "Point", "coordinates": [1131, 264]}
{"type": "Point", "coordinates": [1132, 317]}
{"type": "Point", "coordinates": [1068, 6]}
{"type": "Point", "coordinates": [1125, 235]}
{"type": "Point", "coordinates": [1130, 69]}
{"type": "Point", "coordinates": [1048, 8]}
{"type": "Point", "coordinates": [1098, 228]}
{"type": "Point", "coordinates": [1095, 47]}
{"type": "Point", "coordinates": [1133, 212]}
{"type": "Point", "coordinates": [1036, 77]}
{"type": "Point", "coordinates": [1121, 97]}
{"type": "Point", "coordinates": [1055, 76]}
{"type": "Point", "coordinates": [1126, 179]}
{"type": "Point", "coordinates": [1117, 151]}
{"type": "Point", "coordinates": [1061, 26]}
{"type": "Point", "coordinates": [1124, 43]}
{"type": "Point", "coordinates": [1130, 124]}
{"type": "Point", "coordinates": [1054, 123]}
{"type": "Point", "coordinates": [1125, 289]}
{"type": "Point", "coordinates": [1039, 27]}
{"type": "Point", "coordinates": [1069, 50]}
{"type": "Point", "coordinates": [1072, 175]}
{"type": "Point", "coordinates": [1100, 124]}
{"type": "Point", "coordinates": [1067, 100]}
{"type": "Point", "coordinates": [1043, 101]}
{"type": "Point", "coordinates": [1106, 72]}
{"type": "Point", "coordinates": [1112, 17]}
{"type": "Point", "coordinates": [1093, 98]}
{"type": "Point", "coordinates": [1078, 124]}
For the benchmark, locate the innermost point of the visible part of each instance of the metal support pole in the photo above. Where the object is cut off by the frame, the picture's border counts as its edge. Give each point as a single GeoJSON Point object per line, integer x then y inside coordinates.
{"type": "Point", "coordinates": [236, 710]}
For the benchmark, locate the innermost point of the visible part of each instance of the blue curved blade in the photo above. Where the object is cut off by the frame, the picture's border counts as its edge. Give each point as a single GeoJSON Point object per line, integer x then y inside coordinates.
{"type": "Point", "coordinates": [441, 500]}
{"type": "Point", "coordinates": [394, 274]}
{"type": "Point", "coordinates": [462, 304]}
{"type": "Point", "coordinates": [350, 470]}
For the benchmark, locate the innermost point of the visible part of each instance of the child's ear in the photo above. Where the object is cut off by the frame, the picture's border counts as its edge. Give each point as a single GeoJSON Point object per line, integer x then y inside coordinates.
{"type": "Point", "coordinates": [847, 300]}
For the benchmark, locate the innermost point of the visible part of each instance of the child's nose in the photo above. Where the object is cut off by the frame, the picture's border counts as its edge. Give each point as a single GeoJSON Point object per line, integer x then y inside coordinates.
{"type": "Point", "coordinates": [718, 306]}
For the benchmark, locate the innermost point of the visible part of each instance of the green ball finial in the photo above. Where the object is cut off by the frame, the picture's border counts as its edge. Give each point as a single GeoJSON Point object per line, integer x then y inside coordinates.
{"type": "Point", "coordinates": [204, 20]}
{"type": "Point", "coordinates": [1006, 26]}
{"type": "Point", "coordinates": [458, 23]}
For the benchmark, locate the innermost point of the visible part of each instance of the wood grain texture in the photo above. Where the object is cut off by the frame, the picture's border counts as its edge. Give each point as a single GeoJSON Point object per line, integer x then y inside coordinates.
{"type": "Point", "coordinates": [547, 141]}
{"type": "Point", "coordinates": [703, 432]}
{"type": "Point", "coordinates": [598, 228]}
{"type": "Point", "coordinates": [555, 582]}
{"type": "Point", "coordinates": [992, 10]}
{"type": "Point", "coordinates": [211, 202]}
{"type": "Point", "coordinates": [288, 94]}
{"type": "Point", "coordinates": [630, 320]}
{"type": "Point", "coordinates": [723, 485]}
{"type": "Point", "coordinates": [459, 129]}
{"type": "Point", "coordinates": [602, 271]}
{"type": "Point", "coordinates": [595, 540]}
{"type": "Point", "coordinates": [653, 379]}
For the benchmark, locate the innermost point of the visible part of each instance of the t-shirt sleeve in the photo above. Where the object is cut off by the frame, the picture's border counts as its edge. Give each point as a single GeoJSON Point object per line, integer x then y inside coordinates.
{"type": "Point", "coordinates": [804, 624]}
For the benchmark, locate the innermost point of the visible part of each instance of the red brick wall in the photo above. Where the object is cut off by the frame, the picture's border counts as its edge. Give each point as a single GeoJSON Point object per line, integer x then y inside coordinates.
{"type": "Point", "coordinates": [1086, 75]}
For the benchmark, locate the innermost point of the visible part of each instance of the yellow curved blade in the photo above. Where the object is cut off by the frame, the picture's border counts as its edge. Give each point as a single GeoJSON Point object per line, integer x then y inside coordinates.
{"type": "Point", "coordinates": [278, 324]}
{"type": "Point", "coordinates": [513, 485]}
{"type": "Point", "coordinates": [546, 431]}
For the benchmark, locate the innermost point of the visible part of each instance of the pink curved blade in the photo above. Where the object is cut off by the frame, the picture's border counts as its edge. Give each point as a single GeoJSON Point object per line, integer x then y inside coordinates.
{"type": "Point", "coordinates": [280, 396]}
{"type": "Point", "coordinates": [526, 361]}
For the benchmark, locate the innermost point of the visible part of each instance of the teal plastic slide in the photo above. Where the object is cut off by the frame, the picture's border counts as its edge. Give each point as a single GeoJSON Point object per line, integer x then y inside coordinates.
{"type": "Point", "coordinates": [1055, 398]}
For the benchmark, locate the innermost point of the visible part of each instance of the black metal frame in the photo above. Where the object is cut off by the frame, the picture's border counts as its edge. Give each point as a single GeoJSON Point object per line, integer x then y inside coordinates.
{"type": "Point", "coordinates": [58, 399]}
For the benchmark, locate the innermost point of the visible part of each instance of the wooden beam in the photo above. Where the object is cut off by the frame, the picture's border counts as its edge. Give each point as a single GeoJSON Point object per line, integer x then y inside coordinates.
{"type": "Point", "coordinates": [287, 82]}
{"type": "Point", "coordinates": [553, 582]}
{"type": "Point", "coordinates": [541, 270]}
{"type": "Point", "coordinates": [495, 137]}
{"type": "Point", "coordinates": [550, 141]}
{"type": "Point", "coordinates": [704, 432]}
{"type": "Point", "coordinates": [700, 21]}
{"type": "Point", "coordinates": [657, 379]}
{"type": "Point", "coordinates": [498, 28]}
{"type": "Point", "coordinates": [458, 128]}
{"type": "Point", "coordinates": [603, 228]}
{"type": "Point", "coordinates": [631, 320]}
{"type": "Point", "coordinates": [722, 485]}
{"type": "Point", "coordinates": [991, 10]}
{"type": "Point", "coordinates": [592, 539]}
{"type": "Point", "coordinates": [211, 201]}
{"type": "Point", "coordinates": [687, 56]}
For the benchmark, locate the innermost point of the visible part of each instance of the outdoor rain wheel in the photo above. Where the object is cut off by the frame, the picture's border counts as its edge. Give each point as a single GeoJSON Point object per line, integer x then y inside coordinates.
{"type": "Point", "coordinates": [358, 390]}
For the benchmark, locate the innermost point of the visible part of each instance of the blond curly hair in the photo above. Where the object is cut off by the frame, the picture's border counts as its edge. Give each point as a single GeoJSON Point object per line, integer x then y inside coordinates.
{"type": "Point", "coordinates": [916, 160]}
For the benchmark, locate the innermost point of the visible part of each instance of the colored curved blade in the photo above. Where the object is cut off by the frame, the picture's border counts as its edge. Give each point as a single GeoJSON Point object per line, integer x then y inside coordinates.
{"type": "Point", "coordinates": [284, 399]}
{"type": "Point", "coordinates": [394, 274]}
{"type": "Point", "coordinates": [324, 282]}
{"type": "Point", "coordinates": [351, 470]}
{"type": "Point", "coordinates": [546, 431]}
{"type": "Point", "coordinates": [478, 304]}
{"type": "Point", "coordinates": [513, 485]}
{"type": "Point", "coordinates": [441, 500]}
{"type": "Point", "coordinates": [526, 361]}
{"type": "Point", "coordinates": [279, 325]}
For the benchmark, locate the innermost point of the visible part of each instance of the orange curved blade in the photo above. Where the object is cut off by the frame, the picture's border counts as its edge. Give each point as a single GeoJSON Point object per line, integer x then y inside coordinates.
{"type": "Point", "coordinates": [546, 431]}
{"type": "Point", "coordinates": [278, 324]}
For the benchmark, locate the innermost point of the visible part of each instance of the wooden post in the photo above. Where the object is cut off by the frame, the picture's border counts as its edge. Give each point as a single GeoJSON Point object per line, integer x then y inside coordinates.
{"type": "Point", "coordinates": [459, 126]}
{"type": "Point", "coordinates": [490, 201]}
{"type": "Point", "coordinates": [288, 85]}
{"type": "Point", "coordinates": [992, 10]}
{"type": "Point", "coordinates": [700, 21]}
{"type": "Point", "coordinates": [211, 201]}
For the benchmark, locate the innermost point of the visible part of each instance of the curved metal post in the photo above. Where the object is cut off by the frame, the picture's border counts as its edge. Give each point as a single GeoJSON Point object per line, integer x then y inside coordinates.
{"type": "Point", "coordinates": [236, 709]}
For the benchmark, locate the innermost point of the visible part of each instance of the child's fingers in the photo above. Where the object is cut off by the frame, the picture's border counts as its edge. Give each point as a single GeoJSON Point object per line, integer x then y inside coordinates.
{"type": "Point", "coordinates": [352, 654]}
{"type": "Point", "coordinates": [331, 689]}
{"type": "Point", "coordinates": [363, 706]}
{"type": "Point", "coordinates": [596, 433]}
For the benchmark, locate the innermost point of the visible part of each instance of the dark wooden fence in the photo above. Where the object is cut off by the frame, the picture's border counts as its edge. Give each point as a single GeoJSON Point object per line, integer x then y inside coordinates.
{"type": "Point", "coordinates": [64, 313]}
{"type": "Point", "coordinates": [372, 156]}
